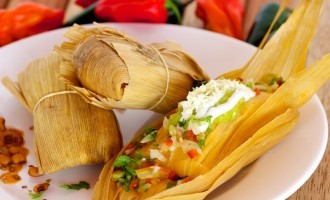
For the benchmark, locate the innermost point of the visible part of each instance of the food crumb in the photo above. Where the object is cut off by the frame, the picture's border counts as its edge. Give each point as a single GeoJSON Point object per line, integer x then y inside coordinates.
{"type": "Point", "coordinates": [24, 186]}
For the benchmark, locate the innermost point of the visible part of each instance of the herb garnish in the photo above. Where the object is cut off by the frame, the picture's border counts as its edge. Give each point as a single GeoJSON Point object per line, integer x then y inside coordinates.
{"type": "Point", "coordinates": [126, 174]}
{"type": "Point", "coordinates": [78, 186]}
{"type": "Point", "coordinates": [35, 195]}
{"type": "Point", "coordinates": [122, 160]}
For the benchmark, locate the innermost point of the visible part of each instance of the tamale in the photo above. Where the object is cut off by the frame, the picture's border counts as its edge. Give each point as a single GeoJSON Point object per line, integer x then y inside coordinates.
{"type": "Point", "coordinates": [231, 144]}
{"type": "Point", "coordinates": [67, 131]}
{"type": "Point", "coordinates": [112, 70]}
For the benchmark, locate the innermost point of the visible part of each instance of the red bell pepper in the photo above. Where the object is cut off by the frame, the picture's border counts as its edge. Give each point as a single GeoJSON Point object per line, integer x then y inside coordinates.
{"type": "Point", "coordinates": [132, 10]}
{"type": "Point", "coordinates": [84, 3]}
{"type": "Point", "coordinates": [222, 16]}
{"type": "Point", "coordinates": [27, 19]}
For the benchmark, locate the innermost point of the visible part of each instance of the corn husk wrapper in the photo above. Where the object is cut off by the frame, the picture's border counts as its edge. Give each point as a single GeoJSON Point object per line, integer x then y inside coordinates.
{"type": "Point", "coordinates": [261, 124]}
{"type": "Point", "coordinates": [286, 52]}
{"type": "Point", "coordinates": [67, 131]}
{"type": "Point", "coordinates": [112, 70]}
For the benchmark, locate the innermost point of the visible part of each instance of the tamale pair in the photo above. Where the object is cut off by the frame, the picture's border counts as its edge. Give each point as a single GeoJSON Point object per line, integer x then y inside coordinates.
{"type": "Point", "coordinates": [119, 72]}
{"type": "Point", "coordinates": [262, 123]}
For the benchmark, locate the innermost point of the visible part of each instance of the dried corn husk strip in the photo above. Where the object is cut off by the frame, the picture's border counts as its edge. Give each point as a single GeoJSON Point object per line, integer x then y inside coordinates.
{"type": "Point", "coordinates": [111, 70]}
{"type": "Point", "coordinates": [67, 131]}
{"type": "Point", "coordinates": [286, 52]}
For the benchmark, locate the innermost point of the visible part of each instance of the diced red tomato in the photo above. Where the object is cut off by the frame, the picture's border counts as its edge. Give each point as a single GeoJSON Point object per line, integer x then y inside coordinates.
{"type": "Point", "coordinates": [192, 135]}
{"type": "Point", "coordinates": [134, 184]}
{"type": "Point", "coordinates": [185, 180]}
{"type": "Point", "coordinates": [173, 176]}
{"type": "Point", "coordinates": [169, 142]}
{"type": "Point", "coordinates": [146, 163]}
{"type": "Point", "coordinates": [130, 145]}
{"type": "Point", "coordinates": [192, 153]}
{"type": "Point", "coordinates": [257, 91]}
{"type": "Point", "coordinates": [279, 82]}
{"type": "Point", "coordinates": [129, 148]}
{"type": "Point", "coordinates": [149, 180]}
{"type": "Point", "coordinates": [164, 172]}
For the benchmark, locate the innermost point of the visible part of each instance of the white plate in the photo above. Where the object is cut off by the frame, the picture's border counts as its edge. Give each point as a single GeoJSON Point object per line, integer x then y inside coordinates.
{"type": "Point", "coordinates": [276, 175]}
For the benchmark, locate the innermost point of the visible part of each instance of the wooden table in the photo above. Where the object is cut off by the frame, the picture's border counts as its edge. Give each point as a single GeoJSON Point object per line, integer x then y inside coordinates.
{"type": "Point", "coordinates": [318, 185]}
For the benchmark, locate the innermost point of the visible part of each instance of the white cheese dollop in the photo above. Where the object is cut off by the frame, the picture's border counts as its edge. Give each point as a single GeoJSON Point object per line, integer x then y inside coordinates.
{"type": "Point", "coordinates": [203, 101]}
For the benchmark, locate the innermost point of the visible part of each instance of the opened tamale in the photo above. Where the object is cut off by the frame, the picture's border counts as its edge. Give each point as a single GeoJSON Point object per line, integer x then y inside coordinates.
{"type": "Point", "coordinates": [112, 70]}
{"type": "Point", "coordinates": [67, 131]}
{"type": "Point", "coordinates": [164, 165]}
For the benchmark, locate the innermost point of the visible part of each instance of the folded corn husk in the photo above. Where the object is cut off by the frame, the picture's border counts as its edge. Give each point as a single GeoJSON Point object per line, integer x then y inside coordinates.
{"type": "Point", "coordinates": [112, 70]}
{"type": "Point", "coordinates": [67, 130]}
{"type": "Point", "coordinates": [261, 124]}
{"type": "Point", "coordinates": [286, 52]}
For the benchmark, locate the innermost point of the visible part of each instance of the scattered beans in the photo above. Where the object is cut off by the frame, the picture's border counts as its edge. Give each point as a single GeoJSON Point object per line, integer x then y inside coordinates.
{"type": "Point", "coordinates": [12, 153]}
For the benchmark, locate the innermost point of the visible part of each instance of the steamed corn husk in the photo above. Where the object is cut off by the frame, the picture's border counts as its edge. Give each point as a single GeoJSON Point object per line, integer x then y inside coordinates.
{"type": "Point", "coordinates": [259, 126]}
{"type": "Point", "coordinates": [67, 131]}
{"type": "Point", "coordinates": [112, 70]}
{"type": "Point", "coordinates": [286, 52]}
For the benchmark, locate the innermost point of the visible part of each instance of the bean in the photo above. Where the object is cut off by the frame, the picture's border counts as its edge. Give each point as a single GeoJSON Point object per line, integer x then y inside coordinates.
{"type": "Point", "coordinates": [4, 160]}
{"type": "Point", "coordinates": [2, 124]}
{"type": "Point", "coordinates": [18, 158]}
{"type": "Point", "coordinates": [14, 150]}
{"type": "Point", "coordinates": [13, 137]}
{"type": "Point", "coordinates": [34, 171]}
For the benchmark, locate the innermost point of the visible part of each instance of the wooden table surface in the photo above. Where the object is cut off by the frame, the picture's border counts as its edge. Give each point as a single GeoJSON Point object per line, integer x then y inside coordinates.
{"type": "Point", "coordinates": [318, 185]}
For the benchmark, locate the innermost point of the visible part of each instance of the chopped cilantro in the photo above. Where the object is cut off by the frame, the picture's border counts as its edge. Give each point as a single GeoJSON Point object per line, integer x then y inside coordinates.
{"type": "Point", "coordinates": [182, 123]}
{"type": "Point", "coordinates": [129, 171]}
{"type": "Point", "coordinates": [201, 140]}
{"type": "Point", "coordinates": [78, 186]}
{"type": "Point", "coordinates": [170, 185]}
{"type": "Point", "coordinates": [122, 160]}
{"type": "Point", "coordinates": [138, 156]}
{"type": "Point", "coordinates": [276, 80]}
{"type": "Point", "coordinates": [149, 130]}
{"type": "Point", "coordinates": [35, 195]}
{"type": "Point", "coordinates": [154, 135]}
{"type": "Point", "coordinates": [126, 186]}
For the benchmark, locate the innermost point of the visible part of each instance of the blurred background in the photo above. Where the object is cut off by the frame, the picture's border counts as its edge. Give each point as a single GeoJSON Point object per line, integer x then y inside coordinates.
{"type": "Point", "coordinates": [246, 20]}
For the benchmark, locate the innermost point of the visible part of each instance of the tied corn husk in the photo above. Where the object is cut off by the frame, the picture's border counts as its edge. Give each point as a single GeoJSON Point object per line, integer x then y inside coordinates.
{"type": "Point", "coordinates": [263, 122]}
{"type": "Point", "coordinates": [112, 70]}
{"type": "Point", "coordinates": [67, 131]}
